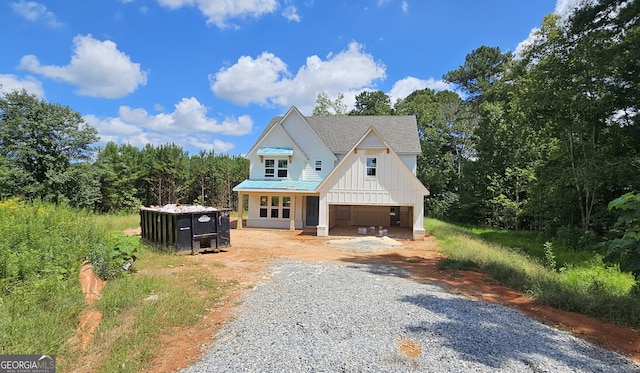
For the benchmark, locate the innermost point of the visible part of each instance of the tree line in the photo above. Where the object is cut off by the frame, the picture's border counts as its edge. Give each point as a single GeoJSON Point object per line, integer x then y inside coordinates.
{"type": "Point", "coordinates": [46, 154]}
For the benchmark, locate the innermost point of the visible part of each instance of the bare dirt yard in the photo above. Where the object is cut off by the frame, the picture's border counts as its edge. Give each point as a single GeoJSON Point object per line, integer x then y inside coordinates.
{"type": "Point", "coordinates": [253, 250]}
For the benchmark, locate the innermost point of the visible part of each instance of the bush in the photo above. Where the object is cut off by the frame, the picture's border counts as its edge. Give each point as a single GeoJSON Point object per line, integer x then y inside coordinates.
{"type": "Point", "coordinates": [574, 238]}
{"type": "Point", "coordinates": [117, 256]}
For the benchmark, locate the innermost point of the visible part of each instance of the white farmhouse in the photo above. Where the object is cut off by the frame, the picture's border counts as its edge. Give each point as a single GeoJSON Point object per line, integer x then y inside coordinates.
{"type": "Point", "coordinates": [326, 171]}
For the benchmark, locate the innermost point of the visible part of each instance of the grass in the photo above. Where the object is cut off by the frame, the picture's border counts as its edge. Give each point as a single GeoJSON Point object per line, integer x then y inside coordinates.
{"type": "Point", "coordinates": [531, 243]}
{"type": "Point", "coordinates": [583, 284]}
{"type": "Point", "coordinates": [41, 252]}
{"type": "Point", "coordinates": [166, 292]}
{"type": "Point", "coordinates": [117, 222]}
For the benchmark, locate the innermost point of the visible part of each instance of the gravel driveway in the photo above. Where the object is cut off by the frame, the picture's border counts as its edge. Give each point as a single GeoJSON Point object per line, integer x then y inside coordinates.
{"type": "Point", "coordinates": [330, 317]}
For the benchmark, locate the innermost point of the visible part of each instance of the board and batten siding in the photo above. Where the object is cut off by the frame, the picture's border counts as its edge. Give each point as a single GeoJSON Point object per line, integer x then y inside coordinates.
{"type": "Point", "coordinates": [390, 186]}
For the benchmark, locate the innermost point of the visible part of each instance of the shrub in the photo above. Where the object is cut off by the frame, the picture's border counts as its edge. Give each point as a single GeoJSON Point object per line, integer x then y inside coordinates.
{"type": "Point", "coordinates": [574, 238]}
{"type": "Point", "coordinates": [625, 250]}
{"type": "Point", "coordinates": [117, 256]}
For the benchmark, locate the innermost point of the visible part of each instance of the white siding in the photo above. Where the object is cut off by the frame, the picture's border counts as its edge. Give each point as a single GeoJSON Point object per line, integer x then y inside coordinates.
{"type": "Point", "coordinates": [277, 138]}
{"type": "Point", "coordinates": [371, 141]}
{"type": "Point", "coordinates": [298, 129]}
{"type": "Point", "coordinates": [411, 161]}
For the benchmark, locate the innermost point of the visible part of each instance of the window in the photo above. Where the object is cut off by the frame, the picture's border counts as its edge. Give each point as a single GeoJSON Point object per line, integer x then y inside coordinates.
{"type": "Point", "coordinates": [264, 200]}
{"type": "Point", "coordinates": [270, 169]}
{"type": "Point", "coordinates": [275, 204]}
{"type": "Point", "coordinates": [275, 207]}
{"type": "Point", "coordinates": [282, 167]}
{"type": "Point", "coordinates": [371, 167]}
{"type": "Point", "coordinates": [318, 165]}
{"type": "Point", "coordinates": [286, 207]}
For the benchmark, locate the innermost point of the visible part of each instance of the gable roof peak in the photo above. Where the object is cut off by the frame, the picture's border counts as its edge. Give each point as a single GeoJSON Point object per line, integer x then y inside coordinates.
{"type": "Point", "coordinates": [292, 111]}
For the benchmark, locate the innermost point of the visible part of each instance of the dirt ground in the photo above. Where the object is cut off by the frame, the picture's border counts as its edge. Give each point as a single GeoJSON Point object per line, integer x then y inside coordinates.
{"type": "Point", "coordinates": [253, 250]}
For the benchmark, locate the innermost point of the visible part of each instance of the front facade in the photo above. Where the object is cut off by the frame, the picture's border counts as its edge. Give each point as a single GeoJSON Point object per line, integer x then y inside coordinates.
{"type": "Point", "coordinates": [327, 171]}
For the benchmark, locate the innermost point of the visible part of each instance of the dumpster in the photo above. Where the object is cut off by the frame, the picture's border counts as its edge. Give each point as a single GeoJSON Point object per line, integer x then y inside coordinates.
{"type": "Point", "coordinates": [186, 228]}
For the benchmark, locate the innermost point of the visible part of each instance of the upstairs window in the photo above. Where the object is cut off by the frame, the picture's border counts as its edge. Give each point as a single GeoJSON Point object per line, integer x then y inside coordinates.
{"type": "Point", "coordinates": [318, 165]}
{"type": "Point", "coordinates": [371, 167]}
{"type": "Point", "coordinates": [269, 167]}
{"type": "Point", "coordinates": [283, 164]}
{"type": "Point", "coordinates": [276, 168]}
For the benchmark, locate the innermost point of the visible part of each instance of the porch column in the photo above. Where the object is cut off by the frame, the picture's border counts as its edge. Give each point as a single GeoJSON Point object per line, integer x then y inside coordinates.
{"type": "Point", "coordinates": [292, 213]}
{"type": "Point", "coordinates": [240, 208]}
{"type": "Point", "coordinates": [322, 230]}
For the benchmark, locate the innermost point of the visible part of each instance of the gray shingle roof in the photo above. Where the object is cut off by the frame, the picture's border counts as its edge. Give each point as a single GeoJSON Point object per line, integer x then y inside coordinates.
{"type": "Point", "coordinates": [341, 132]}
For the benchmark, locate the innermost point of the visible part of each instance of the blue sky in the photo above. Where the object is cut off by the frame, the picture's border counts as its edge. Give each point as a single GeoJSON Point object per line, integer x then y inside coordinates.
{"type": "Point", "coordinates": [210, 74]}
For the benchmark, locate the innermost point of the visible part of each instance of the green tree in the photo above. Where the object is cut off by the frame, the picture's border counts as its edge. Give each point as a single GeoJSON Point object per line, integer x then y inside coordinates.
{"type": "Point", "coordinates": [326, 106]}
{"type": "Point", "coordinates": [202, 174]}
{"type": "Point", "coordinates": [372, 103]}
{"type": "Point", "coordinates": [230, 171]}
{"type": "Point", "coordinates": [445, 130]}
{"type": "Point", "coordinates": [39, 143]}
{"type": "Point", "coordinates": [164, 171]}
{"type": "Point", "coordinates": [483, 67]}
{"type": "Point", "coordinates": [497, 180]}
{"type": "Point", "coordinates": [582, 98]}
{"type": "Point", "coordinates": [119, 167]}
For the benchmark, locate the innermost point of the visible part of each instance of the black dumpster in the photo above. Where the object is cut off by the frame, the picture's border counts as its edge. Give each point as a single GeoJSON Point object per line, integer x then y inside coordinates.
{"type": "Point", "coordinates": [186, 228]}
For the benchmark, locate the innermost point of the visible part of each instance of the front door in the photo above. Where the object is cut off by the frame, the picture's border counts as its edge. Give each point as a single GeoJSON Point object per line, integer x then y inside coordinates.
{"type": "Point", "coordinates": [312, 211]}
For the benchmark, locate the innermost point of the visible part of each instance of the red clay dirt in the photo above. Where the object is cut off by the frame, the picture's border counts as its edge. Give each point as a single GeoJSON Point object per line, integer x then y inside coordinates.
{"type": "Point", "coordinates": [246, 262]}
{"type": "Point", "coordinates": [89, 318]}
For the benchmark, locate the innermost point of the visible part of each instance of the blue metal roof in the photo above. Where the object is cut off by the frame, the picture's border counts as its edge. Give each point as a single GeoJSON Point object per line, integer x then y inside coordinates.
{"type": "Point", "coordinates": [275, 151]}
{"type": "Point", "coordinates": [293, 185]}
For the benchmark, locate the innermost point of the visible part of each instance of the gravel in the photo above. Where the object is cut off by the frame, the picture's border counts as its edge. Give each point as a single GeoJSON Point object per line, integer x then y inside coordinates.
{"type": "Point", "coordinates": [329, 317]}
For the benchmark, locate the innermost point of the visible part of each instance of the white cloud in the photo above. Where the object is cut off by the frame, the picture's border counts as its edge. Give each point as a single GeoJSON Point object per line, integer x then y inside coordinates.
{"type": "Point", "coordinates": [218, 146]}
{"type": "Point", "coordinates": [219, 11]}
{"type": "Point", "coordinates": [187, 125]}
{"type": "Point", "coordinates": [404, 87]}
{"type": "Point", "coordinates": [405, 7]}
{"type": "Point", "coordinates": [36, 12]}
{"type": "Point", "coordinates": [266, 80]}
{"type": "Point", "coordinates": [9, 83]}
{"type": "Point", "coordinates": [564, 8]}
{"type": "Point", "coordinates": [97, 68]}
{"type": "Point", "coordinates": [291, 13]}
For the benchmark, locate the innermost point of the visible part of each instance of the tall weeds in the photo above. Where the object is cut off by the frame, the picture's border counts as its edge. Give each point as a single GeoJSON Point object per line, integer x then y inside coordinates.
{"type": "Point", "coordinates": [41, 251]}
{"type": "Point", "coordinates": [587, 287]}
